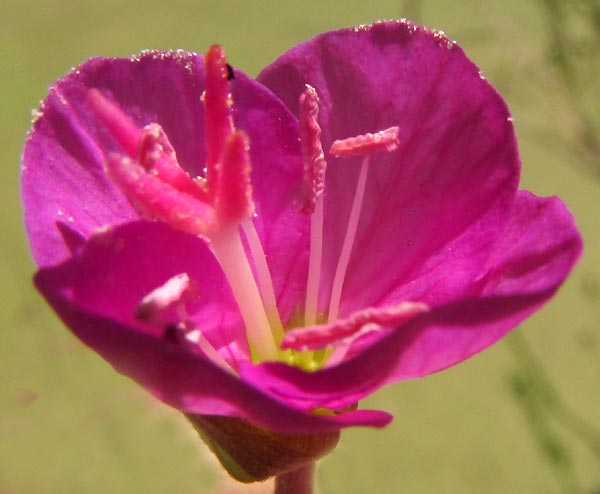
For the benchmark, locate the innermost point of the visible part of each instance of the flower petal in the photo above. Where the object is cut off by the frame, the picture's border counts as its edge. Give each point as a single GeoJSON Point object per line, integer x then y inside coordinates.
{"type": "Point", "coordinates": [96, 291]}
{"type": "Point", "coordinates": [117, 268]}
{"type": "Point", "coordinates": [538, 250]}
{"type": "Point", "coordinates": [455, 171]}
{"type": "Point", "coordinates": [63, 178]}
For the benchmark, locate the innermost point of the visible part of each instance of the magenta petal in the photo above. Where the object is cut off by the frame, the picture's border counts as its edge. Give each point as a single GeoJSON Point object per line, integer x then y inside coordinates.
{"type": "Point", "coordinates": [96, 292]}
{"type": "Point", "coordinates": [189, 382]}
{"type": "Point", "coordinates": [116, 268]}
{"type": "Point", "coordinates": [454, 174]}
{"type": "Point", "coordinates": [538, 249]}
{"type": "Point", "coordinates": [536, 253]}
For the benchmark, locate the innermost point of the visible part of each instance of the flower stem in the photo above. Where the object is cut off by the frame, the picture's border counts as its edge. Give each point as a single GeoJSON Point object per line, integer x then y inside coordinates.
{"type": "Point", "coordinates": [296, 482]}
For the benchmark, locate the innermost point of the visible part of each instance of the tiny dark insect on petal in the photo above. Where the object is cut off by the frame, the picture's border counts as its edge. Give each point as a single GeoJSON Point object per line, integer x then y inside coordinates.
{"type": "Point", "coordinates": [230, 74]}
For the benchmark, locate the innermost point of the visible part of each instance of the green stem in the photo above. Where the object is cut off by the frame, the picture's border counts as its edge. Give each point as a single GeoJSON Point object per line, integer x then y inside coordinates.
{"type": "Point", "coordinates": [299, 481]}
{"type": "Point", "coordinates": [549, 396]}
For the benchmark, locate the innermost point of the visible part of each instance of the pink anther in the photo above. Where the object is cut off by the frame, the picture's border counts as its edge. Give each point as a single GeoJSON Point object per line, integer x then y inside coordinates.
{"type": "Point", "coordinates": [320, 336]}
{"type": "Point", "coordinates": [365, 144]}
{"type": "Point", "coordinates": [315, 165]}
{"type": "Point", "coordinates": [164, 304]}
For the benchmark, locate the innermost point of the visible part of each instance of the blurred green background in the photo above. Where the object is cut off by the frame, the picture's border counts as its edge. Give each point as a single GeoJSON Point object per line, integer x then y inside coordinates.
{"type": "Point", "coordinates": [523, 417]}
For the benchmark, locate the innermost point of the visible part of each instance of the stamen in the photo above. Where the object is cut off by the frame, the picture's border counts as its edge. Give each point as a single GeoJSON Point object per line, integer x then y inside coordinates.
{"type": "Point", "coordinates": [265, 281]}
{"type": "Point", "coordinates": [163, 305]}
{"type": "Point", "coordinates": [362, 145]}
{"type": "Point", "coordinates": [320, 336]}
{"type": "Point", "coordinates": [217, 106]}
{"type": "Point", "coordinates": [229, 250]}
{"type": "Point", "coordinates": [344, 259]}
{"type": "Point", "coordinates": [314, 182]}
{"type": "Point", "coordinates": [314, 266]}
{"type": "Point", "coordinates": [197, 338]}
{"type": "Point", "coordinates": [212, 207]}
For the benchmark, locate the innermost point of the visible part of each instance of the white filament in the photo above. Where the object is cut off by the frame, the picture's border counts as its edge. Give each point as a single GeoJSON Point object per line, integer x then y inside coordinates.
{"type": "Point", "coordinates": [265, 281]}
{"type": "Point", "coordinates": [229, 251]}
{"type": "Point", "coordinates": [314, 266]}
{"type": "Point", "coordinates": [342, 266]}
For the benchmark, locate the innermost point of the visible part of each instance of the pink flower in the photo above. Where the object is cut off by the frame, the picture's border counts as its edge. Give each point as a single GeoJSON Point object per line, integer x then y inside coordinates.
{"type": "Point", "coordinates": [356, 205]}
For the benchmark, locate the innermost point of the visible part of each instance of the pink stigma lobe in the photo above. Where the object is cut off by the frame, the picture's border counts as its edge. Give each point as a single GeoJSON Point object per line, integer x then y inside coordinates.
{"type": "Point", "coordinates": [157, 156]}
{"type": "Point", "coordinates": [157, 200]}
{"type": "Point", "coordinates": [149, 174]}
{"type": "Point", "coordinates": [233, 190]}
{"type": "Point", "coordinates": [150, 145]}
{"type": "Point", "coordinates": [217, 105]}
{"type": "Point", "coordinates": [120, 126]}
